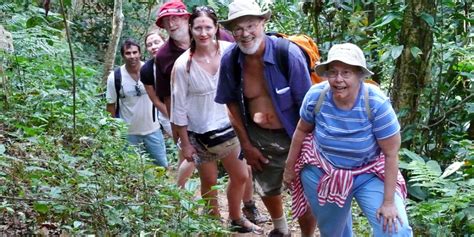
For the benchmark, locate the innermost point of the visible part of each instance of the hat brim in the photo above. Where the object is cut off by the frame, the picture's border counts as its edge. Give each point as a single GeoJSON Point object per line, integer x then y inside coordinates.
{"type": "Point", "coordinates": [323, 67]}
{"type": "Point", "coordinates": [159, 21]}
{"type": "Point", "coordinates": [228, 23]}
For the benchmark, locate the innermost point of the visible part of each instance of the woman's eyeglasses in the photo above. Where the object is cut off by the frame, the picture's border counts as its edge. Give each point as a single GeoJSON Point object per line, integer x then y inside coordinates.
{"type": "Point", "coordinates": [346, 74]}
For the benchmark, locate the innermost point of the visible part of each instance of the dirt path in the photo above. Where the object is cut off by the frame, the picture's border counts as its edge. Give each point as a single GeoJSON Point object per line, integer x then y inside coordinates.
{"type": "Point", "coordinates": [293, 225]}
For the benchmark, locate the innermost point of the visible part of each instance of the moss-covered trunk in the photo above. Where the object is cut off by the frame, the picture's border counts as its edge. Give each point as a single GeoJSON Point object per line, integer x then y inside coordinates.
{"type": "Point", "coordinates": [413, 72]}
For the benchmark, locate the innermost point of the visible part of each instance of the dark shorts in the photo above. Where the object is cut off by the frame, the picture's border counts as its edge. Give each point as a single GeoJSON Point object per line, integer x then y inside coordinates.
{"type": "Point", "coordinates": [274, 145]}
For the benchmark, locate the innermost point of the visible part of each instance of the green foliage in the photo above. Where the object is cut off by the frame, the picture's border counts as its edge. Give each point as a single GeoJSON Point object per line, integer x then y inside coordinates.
{"type": "Point", "coordinates": [443, 194]}
{"type": "Point", "coordinates": [83, 182]}
{"type": "Point", "coordinates": [446, 102]}
{"type": "Point", "coordinates": [90, 182]}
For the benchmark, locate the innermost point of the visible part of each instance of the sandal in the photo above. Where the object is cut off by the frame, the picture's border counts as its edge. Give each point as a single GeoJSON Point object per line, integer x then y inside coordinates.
{"type": "Point", "coordinates": [240, 226]}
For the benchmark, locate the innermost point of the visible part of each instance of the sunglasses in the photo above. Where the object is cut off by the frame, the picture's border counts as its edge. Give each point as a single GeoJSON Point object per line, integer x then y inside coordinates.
{"type": "Point", "coordinates": [207, 9]}
{"type": "Point", "coordinates": [137, 89]}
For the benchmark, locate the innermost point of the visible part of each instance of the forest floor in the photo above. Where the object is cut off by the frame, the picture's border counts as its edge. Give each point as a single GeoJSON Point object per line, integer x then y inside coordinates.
{"type": "Point", "coordinates": [292, 224]}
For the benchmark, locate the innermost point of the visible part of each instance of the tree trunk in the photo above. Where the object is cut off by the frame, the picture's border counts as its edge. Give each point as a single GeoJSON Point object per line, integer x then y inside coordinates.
{"type": "Point", "coordinates": [75, 10]}
{"type": "Point", "coordinates": [412, 73]}
{"type": "Point", "coordinates": [117, 24]}
{"type": "Point", "coordinates": [371, 17]}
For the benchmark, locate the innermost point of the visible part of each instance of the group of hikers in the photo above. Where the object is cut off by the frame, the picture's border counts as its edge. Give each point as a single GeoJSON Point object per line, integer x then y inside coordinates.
{"type": "Point", "coordinates": [216, 88]}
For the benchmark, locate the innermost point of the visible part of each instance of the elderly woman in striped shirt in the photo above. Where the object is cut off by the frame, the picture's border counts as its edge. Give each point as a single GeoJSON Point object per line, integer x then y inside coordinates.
{"type": "Point", "coordinates": [346, 146]}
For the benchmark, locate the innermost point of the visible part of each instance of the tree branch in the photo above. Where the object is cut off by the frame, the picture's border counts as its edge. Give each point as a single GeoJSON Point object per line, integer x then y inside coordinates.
{"type": "Point", "coordinates": [450, 111]}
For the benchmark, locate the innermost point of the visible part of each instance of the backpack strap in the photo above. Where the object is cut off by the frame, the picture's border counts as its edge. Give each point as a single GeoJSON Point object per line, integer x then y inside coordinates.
{"type": "Point", "coordinates": [366, 102]}
{"type": "Point", "coordinates": [282, 48]}
{"type": "Point", "coordinates": [154, 109]}
{"type": "Point", "coordinates": [320, 101]}
{"type": "Point", "coordinates": [321, 98]}
{"type": "Point", "coordinates": [118, 85]}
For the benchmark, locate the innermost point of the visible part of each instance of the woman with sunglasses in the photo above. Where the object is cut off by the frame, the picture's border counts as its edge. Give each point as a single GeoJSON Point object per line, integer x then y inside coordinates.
{"type": "Point", "coordinates": [204, 129]}
{"type": "Point", "coordinates": [132, 105]}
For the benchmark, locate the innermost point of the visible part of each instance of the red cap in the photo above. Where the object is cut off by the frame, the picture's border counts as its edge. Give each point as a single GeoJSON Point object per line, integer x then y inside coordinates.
{"type": "Point", "coordinates": [171, 8]}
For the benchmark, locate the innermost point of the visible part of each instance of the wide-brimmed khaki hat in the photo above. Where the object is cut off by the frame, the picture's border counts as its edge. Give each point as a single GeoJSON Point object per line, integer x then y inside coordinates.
{"type": "Point", "coordinates": [240, 8]}
{"type": "Point", "coordinates": [346, 53]}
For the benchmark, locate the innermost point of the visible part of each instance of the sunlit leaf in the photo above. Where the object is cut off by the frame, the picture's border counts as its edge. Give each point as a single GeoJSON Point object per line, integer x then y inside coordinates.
{"type": "Point", "coordinates": [451, 169]}
{"type": "Point", "coordinates": [434, 166]}
{"type": "Point", "coordinates": [396, 51]}
{"type": "Point", "coordinates": [416, 52]}
{"type": "Point", "coordinates": [77, 224]}
{"type": "Point", "coordinates": [41, 207]}
{"type": "Point", "coordinates": [386, 20]}
{"type": "Point", "coordinates": [2, 149]}
{"type": "Point", "coordinates": [427, 18]}
{"type": "Point", "coordinates": [413, 156]}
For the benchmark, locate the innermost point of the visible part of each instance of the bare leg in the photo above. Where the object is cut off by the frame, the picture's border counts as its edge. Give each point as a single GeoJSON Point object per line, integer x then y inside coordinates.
{"type": "Point", "coordinates": [248, 192]}
{"type": "Point", "coordinates": [185, 170]}
{"type": "Point", "coordinates": [274, 205]}
{"type": "Point", "coordinates": [307, 223]}
{"type": "Point", "coordinates": [250, 210]}
{"type": "Point", "coordinates": [238, 177]}
{"type": "Point", "coordinates": [208, 176]}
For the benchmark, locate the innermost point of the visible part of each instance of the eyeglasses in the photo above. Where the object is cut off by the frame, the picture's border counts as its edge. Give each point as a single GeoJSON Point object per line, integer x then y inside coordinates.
{"type": "Point", "coordinates": [250, 27]}
{"type": "Point", "coordinates": [346, 74]}
{"type": "Point", "coordinates": [207, 9]}
{"type": "Point", "coordinates": [166, 20]}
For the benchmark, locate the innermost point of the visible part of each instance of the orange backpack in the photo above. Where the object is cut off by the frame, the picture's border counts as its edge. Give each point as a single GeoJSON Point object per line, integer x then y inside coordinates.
{"type": "Point", "coordinates": [307, 46]}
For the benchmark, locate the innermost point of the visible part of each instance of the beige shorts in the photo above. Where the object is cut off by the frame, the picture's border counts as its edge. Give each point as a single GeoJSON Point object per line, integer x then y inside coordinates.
{"type": "Point", "coordinates": [207, 154]}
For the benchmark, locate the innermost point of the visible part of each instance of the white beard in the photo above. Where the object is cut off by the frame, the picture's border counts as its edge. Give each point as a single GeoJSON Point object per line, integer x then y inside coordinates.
{"type": "Point", "coordinates": [252, 49]}
{"type": "Point", "coordinates": [179, 34]}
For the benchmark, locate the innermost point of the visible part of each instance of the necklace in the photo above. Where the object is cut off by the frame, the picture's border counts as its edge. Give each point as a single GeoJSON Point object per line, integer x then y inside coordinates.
{"type": "Point", "coordinates": [204, 59]}
{"type": "Point", "coordinates": [208, 59]}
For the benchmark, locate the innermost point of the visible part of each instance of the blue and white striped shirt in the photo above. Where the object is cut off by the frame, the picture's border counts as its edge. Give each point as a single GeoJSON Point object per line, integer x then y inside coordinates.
{"type": "Point", "coordinates": [347, 138]}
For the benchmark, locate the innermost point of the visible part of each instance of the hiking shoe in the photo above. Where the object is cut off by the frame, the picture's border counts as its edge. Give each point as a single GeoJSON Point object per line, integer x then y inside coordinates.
{"type": "Point", "coordinates": [277, 233]}
{"type": "Point", "coordinates": [239, 226]}
{"type": "Point", "coordinates": [251, 212]}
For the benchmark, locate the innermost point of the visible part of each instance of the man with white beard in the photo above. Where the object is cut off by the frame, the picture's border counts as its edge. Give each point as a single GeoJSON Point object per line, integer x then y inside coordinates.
{"type": "Point", "coordinates": [174, 18]}
{"type": "Point", "coordinates": [263, 104]}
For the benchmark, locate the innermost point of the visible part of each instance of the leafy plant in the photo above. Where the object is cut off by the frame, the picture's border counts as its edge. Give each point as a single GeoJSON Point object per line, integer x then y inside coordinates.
{"type": "Point", "coordinates": [440, 195]}
{"type": "Point", "coordinates": [88, 182]}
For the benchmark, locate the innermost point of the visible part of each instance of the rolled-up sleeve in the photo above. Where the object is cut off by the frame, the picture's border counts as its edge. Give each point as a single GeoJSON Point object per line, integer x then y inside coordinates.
{"type": "Point", "coordinates": [110, 94]}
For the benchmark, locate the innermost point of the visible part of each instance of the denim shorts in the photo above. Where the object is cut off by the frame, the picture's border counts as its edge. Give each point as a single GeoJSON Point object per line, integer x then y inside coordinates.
{"type": "Point", "coordinates": [274, 145]}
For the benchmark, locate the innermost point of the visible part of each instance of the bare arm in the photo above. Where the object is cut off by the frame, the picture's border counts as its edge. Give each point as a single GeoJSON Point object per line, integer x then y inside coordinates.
{"type": "Point", "coordinates": [111, 109]}
{"type": "Point", "coordinates": [253, 156]}
{"type": "Point", "coordinates": [186, 148]}
{"type": "Point", "coordinates": [150, 90]}
{"type": "Point", "coordinates": [302, 130]}
{"type": "Point", "coordinates": [388, 211]}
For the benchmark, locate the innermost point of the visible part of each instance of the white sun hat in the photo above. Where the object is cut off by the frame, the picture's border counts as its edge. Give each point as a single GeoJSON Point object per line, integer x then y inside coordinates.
{"type": "Point", "coordinates": [346, 53]}
{"type": "Point", "coordinates": [240, 8]}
